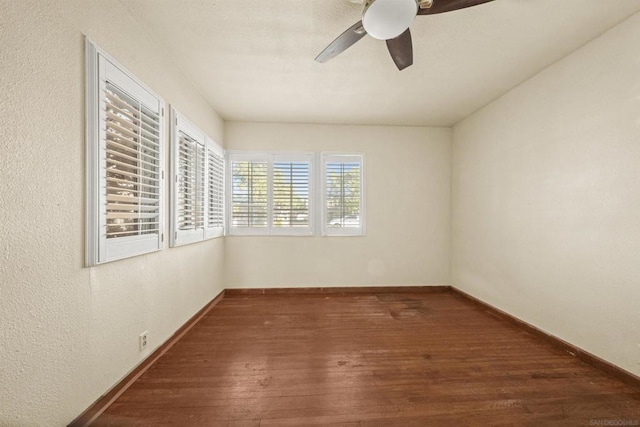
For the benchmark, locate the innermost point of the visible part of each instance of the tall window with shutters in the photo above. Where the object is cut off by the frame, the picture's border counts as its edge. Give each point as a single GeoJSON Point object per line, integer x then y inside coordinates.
{"type": "Point", "coordinates": [343, 194]}
{"type": "Point", "coordinates": [197, 184]}
{"type": "Point", "coordinates": [125, 153]}
{"type": "Point", "coordinates": [271, 193]}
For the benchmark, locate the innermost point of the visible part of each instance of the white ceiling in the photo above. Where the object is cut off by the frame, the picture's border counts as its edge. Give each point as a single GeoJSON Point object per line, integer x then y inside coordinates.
{"type": "Point", "coordinates": [253, 60]}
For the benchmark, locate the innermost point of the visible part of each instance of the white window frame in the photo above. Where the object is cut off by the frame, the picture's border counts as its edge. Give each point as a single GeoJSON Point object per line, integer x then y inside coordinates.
{"type": "Point", "coordinates": [270, 158]}
{"type": "Point", "coordinates": [180, 124]}
{"type": "Point", "coordinates": [329, 157]}
{"type": "Point", "coordinates": [99, 68]}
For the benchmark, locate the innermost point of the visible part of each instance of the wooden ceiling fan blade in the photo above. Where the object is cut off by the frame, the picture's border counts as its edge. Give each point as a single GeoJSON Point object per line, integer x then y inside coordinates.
{"type": "Point", "coordinates": [343, 42]}
{"type": "Point", "coordinates": [442, 6]}
{"type": "Point", "coordinates": [401, 50]}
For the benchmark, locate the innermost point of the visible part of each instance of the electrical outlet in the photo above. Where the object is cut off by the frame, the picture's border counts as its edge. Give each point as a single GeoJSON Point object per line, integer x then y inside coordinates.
{"type": "Point", "coordinates": [143, 340]}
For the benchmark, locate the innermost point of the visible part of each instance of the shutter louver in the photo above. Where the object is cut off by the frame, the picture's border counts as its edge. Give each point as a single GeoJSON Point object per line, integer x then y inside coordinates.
{"type": "Point", "coordinates": [190, 215]}
{"type": "Point", "coordinates": [200, 190]}
{"type": "Point", "coordinates": [133, 169]}
{"type": "Point", "coordinates": [291, 192]}
{"type": "Point", "coordinates": [215, 164]}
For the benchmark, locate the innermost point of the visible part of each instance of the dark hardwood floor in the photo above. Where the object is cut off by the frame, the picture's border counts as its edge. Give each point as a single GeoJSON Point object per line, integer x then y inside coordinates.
{"type": "Point", "coordinates": [423, 359]}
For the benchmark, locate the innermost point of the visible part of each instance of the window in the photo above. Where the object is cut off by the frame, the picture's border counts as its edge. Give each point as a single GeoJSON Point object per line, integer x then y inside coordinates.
{"type": "Point", "coordinates": [271, 193]}
{"type": "Point", "coordinates": [249, 201]}
{"type": "Point", "coordinates": [125, 154]}
{"type": "Point", "coordinates": [291, 194]}
{"type": "Point", "coordinates": [197, 184]}
{"type": "Point", "coordinates": [342, 195]}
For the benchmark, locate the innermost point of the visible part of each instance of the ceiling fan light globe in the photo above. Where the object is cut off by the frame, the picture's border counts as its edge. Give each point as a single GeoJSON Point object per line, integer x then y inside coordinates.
{"type": "Point", "coordinates": [387, 19]}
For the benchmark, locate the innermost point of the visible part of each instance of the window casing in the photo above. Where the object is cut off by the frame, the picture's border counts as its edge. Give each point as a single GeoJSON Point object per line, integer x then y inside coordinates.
{"type": "Point", "coordinates": [197, 185]}
{"type": "Point", "coordinates": [343, 208]}
{"type": "Point", "coordinates": [124, 164]}
{"type": "Point", "coordinates": [271, 193]}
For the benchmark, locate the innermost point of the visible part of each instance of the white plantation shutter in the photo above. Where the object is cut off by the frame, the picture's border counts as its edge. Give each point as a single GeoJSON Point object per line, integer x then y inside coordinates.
{"type": "Point", "coordinates": [186, 178]}
{"type": "Point", "coordinates": [124, 163]}
{"type": "Point", "coordinates": [343, 195]}
{"type": "Point", "coordinates": [271, 193]}
{"type": "Point", "coordinates": [215, 191]}
{"type": "Point", "coordinates": [291, 194]}
{"type": "Point", "coordinates": [132, 166]}
{"type": "Point", "coordinates": [189, 215]}
{"type": "Point", "coordinates": [249, 195]}
{"type": "Point", "coordinates": [195, 175]}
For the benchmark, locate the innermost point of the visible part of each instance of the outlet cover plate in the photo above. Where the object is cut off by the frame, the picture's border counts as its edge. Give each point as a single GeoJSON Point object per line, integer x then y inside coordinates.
{"type": "Point", "coordinates": [143, 340]}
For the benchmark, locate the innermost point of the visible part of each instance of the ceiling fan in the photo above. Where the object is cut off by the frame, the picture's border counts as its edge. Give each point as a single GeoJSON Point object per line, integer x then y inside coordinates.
{"type": "Point", "coordinates": [389, 20]}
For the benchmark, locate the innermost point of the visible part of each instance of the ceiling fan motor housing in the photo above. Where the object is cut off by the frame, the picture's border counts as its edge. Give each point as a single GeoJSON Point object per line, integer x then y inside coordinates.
{"type": "Point", "coordinates": [387, 19]}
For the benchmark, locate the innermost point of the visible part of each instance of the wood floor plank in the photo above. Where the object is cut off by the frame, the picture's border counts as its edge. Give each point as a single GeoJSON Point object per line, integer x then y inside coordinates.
{"type": "Point", "coordinates": [406, 359]}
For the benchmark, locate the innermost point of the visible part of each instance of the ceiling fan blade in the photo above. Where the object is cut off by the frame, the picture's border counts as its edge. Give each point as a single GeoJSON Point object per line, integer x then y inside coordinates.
{"type": "Point", "coordinates": [401, 50]}
{"type": "Point", "coordinates": [442, 6]}
{"type": "Point", "coordinates": [343, 42]}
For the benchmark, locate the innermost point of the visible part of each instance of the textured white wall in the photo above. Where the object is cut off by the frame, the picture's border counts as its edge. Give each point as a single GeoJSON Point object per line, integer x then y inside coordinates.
{"type": "Point", "coordinates": [407, 211]}
{"type": "Point", "coordinates": [68, 333]}
{"type": "Point", "coordinates": [546, 200]}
